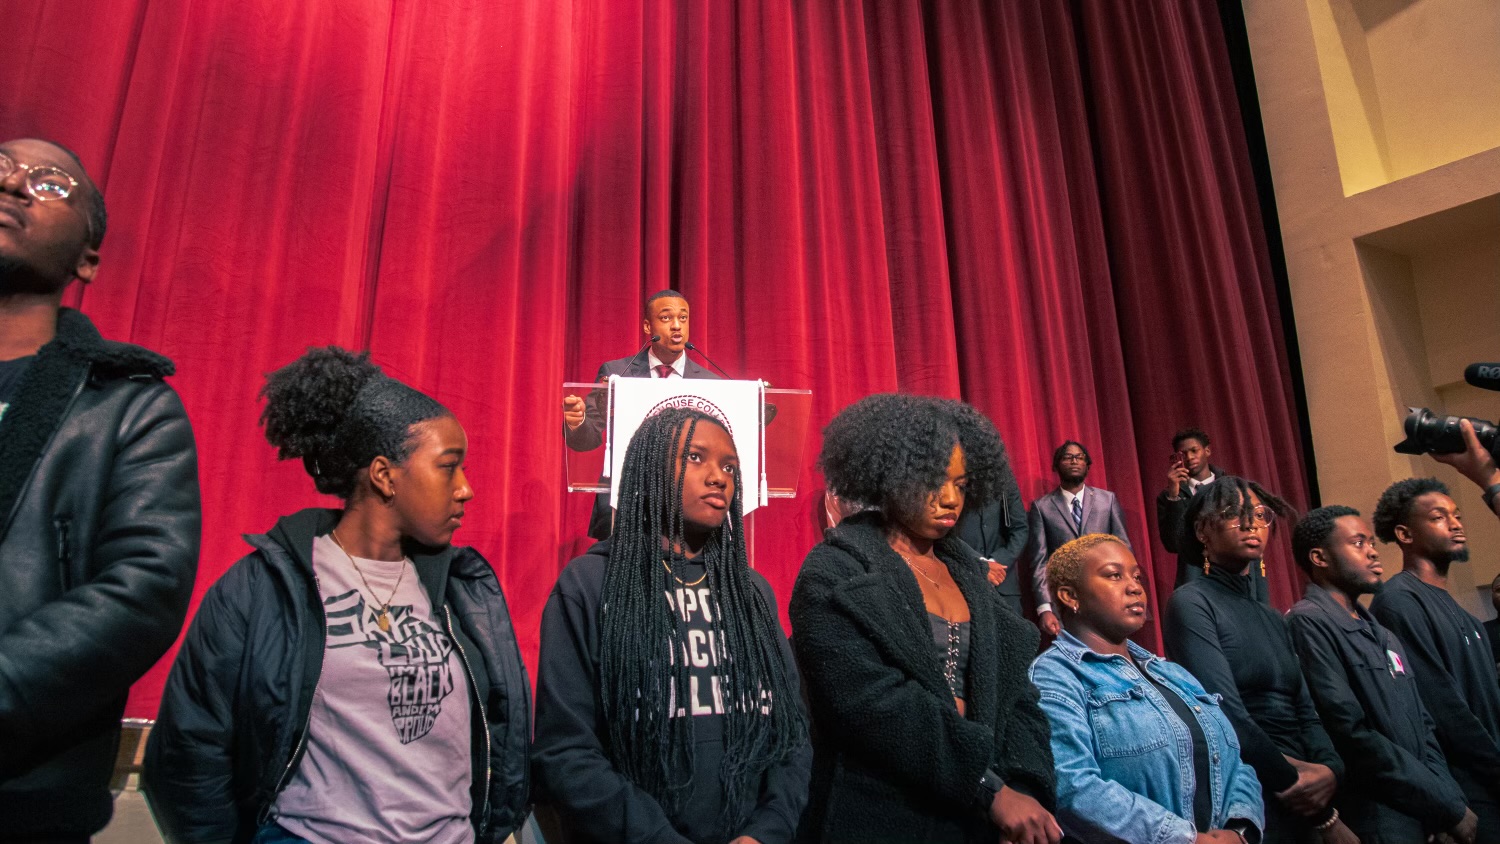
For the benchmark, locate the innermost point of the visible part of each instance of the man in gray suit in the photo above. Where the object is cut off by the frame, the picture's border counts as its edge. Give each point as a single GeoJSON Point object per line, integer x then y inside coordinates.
{"type": "Point", "coordinates": [1064, 514]}
{"type": "Point", "coordinates": [664, 322]}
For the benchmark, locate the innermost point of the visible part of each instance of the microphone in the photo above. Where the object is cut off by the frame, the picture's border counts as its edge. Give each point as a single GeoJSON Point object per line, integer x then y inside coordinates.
{"type": "Point", "coordinates": [644, 346]}
{"type": "Point", "coordinates": [690, 347]}
{"type": "Point", "coordinates": [1485, 376]}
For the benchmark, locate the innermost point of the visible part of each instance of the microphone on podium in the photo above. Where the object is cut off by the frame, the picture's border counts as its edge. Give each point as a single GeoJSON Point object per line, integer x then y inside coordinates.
{"type": "Point", "coordinates": [770, 410]}
{"type": "Point", "coordinates": [690, 347]}
{"type": "Point", "coordinates": [644, 346]}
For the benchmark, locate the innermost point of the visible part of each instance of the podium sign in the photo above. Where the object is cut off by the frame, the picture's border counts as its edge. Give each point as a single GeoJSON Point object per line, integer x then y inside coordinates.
{"type": "Point", "coordinates": [738, 404]}
{"type": "Point", "coordinates": [780, 443]}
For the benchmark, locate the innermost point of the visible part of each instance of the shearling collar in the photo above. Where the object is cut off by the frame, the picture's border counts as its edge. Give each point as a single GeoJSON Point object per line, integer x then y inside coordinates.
{"type": "Point", "coordinates": [61, 369]}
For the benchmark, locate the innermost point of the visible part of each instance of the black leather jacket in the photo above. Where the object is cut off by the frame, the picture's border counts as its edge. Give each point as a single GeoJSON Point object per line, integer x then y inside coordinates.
{"type": "Point", "coordinates": [236, 706]}
{"type": "Point", "coordinates": [98, 550]}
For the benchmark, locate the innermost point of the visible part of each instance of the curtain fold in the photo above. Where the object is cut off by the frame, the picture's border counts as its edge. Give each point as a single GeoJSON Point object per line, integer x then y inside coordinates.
{"type": "Point", "coordinates": [1044, 208]}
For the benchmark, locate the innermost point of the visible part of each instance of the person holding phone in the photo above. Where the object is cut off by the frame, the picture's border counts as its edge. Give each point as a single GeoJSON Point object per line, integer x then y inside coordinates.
{"type": "Point", "coordinates": [1188, 473]}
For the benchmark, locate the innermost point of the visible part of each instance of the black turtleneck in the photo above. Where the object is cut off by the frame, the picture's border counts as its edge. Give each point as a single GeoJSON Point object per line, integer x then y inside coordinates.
{"type": "Point", "coordinates": [1242, 649]}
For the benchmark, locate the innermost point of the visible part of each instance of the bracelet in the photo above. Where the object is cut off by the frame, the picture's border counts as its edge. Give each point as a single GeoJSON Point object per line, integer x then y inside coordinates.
{"type": "Point", "coordinates": [1489, 495]}
{"type": "Point", "coordinates": [1328, 824]}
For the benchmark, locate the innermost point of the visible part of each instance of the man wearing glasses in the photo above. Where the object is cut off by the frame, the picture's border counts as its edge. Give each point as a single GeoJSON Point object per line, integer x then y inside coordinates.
{"type": "Point", "coordinates": [99, 502]}
{"type": "Point", "coordinates": [1064, 514]}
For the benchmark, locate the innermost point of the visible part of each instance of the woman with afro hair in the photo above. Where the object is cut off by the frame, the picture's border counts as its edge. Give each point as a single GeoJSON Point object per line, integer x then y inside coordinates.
{"type": "Point", "coordinates": [925, 727]}
{"type": "Point", "coordinates": [667, 701]}
{"type": "Point", "coordinates": [356, 676]}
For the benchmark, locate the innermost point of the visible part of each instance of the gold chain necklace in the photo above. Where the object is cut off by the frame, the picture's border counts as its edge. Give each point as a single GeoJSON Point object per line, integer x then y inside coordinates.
{"type": "Point", "coordinates": [680, 580]}
{"type": "Point", "coordinates": [383, 615]}
{"type": "Point", "coordinates": [914, 567]}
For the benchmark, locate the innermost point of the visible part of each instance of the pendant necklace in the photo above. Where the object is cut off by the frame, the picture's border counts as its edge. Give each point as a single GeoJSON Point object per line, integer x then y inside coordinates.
{"type": "Point", "coordinates": [680, 580]}
{"type": "Point", "coordinates": [383, 613]}
{"type": "Point", "coordinates": [914, 567]}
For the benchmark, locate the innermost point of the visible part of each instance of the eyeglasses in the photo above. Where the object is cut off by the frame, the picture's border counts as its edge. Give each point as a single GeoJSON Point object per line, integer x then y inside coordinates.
{"type": "Point", "coordinates": [1260, 515]}
{"type": "Point", "coordinates": [44, 183]}
{"type": "Point", "coordinates": [1073, 458]}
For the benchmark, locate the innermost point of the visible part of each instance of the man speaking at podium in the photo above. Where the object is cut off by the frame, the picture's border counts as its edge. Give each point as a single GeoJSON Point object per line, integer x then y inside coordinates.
{"type": "Point", "coordinates": [664, 322]}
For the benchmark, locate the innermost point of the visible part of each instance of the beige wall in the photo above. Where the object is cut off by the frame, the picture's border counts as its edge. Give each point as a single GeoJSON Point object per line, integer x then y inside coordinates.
{"type": "Point", "coordinates": [1383, 126]}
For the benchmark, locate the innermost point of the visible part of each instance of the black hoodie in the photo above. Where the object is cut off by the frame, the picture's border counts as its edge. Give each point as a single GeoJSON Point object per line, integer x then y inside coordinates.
{"type": "Point", "coordinates": [594, 802]}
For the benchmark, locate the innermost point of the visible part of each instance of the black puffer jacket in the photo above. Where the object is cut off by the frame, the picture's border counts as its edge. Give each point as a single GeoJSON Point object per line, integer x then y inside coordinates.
{"type": "Point", "coordinates": [236, 707]}
{"type": "Point", "coordinates": [893, 760]}
{"type": "Point", "coordinates": [98, 550]}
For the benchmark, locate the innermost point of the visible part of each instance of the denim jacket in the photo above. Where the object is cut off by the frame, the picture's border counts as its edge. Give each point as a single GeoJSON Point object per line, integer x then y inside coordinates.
{"type": "Point", "coordinates": [1124, 760]}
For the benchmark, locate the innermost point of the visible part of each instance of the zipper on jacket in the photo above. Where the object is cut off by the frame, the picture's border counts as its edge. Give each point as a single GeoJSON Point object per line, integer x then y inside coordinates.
{"type": "Point", "coordinates": [484, 721]}
{"type": "Point", "coordinates": [265, 813]}
{"type": "Point", "coordinates": [60, 527]}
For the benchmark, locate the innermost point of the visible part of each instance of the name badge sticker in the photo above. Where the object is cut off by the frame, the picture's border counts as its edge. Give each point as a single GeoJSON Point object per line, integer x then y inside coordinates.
{"type": "Point", "coordinates": [1393, 659]}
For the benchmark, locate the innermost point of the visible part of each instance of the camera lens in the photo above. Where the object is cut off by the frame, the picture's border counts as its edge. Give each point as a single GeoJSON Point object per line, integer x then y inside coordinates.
{"type": "Point", "coordinates": [1428, 433]}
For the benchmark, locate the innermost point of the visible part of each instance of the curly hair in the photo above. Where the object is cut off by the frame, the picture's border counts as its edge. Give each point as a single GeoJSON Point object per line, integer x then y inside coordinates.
{"type": "Point", "coordinates": [337, 411]}
{"type": "Point", "coordinates": [1065, 566]}
{"type": "Point", "coordinates": [1313, 532]}
{"type": "Point", "coordinates": [1394, 505]}
{"type": "Point", "coordinates": [636, 626]}
{"type": "Point", "coordinates": [1228, 494]}
{"type": "Point", "coordinates": [891, 450]}
{"type": "Point", "coordinates": [1192, 432]}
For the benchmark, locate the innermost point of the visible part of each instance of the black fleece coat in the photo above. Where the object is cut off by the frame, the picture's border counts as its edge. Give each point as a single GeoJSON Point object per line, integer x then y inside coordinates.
{"type": "Point", "coordinates": [893, 760]}
{"type": "Point", "coordinates": [98, 550]}
{"type": "Point", "coordinates": [236, 706]}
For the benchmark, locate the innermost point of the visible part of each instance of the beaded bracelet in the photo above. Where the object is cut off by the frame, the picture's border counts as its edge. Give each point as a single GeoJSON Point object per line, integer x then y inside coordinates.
{"type": "Point", "coordinates": [1328, 824]}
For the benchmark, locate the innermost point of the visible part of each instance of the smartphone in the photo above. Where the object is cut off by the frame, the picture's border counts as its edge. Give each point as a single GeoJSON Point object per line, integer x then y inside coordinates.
{"type": "Point", "coordinates": [1177, 460]}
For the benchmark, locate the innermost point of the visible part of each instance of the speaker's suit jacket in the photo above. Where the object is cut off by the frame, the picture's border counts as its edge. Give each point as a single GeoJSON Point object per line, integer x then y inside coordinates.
{"type": "Point", "coordinates": [590, 435]}
{"type": "Point", "coordinates": [1052, 525]}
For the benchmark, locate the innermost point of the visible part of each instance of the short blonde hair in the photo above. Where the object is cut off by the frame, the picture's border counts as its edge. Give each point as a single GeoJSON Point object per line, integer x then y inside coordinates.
{"type": "Point", "coordinates": [1065, 566]}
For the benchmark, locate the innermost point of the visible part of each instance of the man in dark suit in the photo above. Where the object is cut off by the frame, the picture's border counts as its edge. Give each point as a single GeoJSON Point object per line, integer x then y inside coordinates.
{"type": "Point", "coordinates": [1190, 471]}
{"type": "Point", "coordinates": [664, 322]}
{"type": "Point", "coordinates": [997, 533]}
{"type": "Point", "coordinates": [1064, 514]}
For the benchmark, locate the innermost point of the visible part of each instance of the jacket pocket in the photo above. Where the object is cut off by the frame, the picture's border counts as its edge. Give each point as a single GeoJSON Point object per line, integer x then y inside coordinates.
{"type": "Point", "coordinates": [1210, 705]}
{"type": "Point", "coordinates": [1125, 723]}
{"type": "Point", "coordinates": [61, 528]}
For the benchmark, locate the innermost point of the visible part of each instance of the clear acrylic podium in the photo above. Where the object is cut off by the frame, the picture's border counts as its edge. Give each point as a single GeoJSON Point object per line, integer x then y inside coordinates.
{"type": "Point", "coordinates": [788, 414]}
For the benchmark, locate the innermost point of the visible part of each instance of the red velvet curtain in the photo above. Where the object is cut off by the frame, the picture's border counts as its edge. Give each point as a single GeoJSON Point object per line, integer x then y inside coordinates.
{"type": "Point", "coordinates": [1044, 208]}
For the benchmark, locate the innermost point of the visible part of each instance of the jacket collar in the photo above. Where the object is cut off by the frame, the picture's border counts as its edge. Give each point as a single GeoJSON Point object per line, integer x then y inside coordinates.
{"type": "Point", "coordinates": [1322, 599]}
{"type": "Point", "coordinates": [639, 367]}
{"type": "Point", "coordinates": [1074, 649]}
{"type": "Point", "coordinates": [53, 379]}
{"type": "Point", "coordinates": [887, 601]}
{"type": "Point", "coordinates": [293, 535]}
{"type": "Point", "coordinates": [1239, 584]}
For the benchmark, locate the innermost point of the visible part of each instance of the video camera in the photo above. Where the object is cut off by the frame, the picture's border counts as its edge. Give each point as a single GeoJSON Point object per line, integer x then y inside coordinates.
{"type": "Point", "coordinates": [1428, 433]}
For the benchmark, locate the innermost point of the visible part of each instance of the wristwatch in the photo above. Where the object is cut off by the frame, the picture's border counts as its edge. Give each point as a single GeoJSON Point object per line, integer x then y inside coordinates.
{"type": "Point", "coordinates": [1244, 829]}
